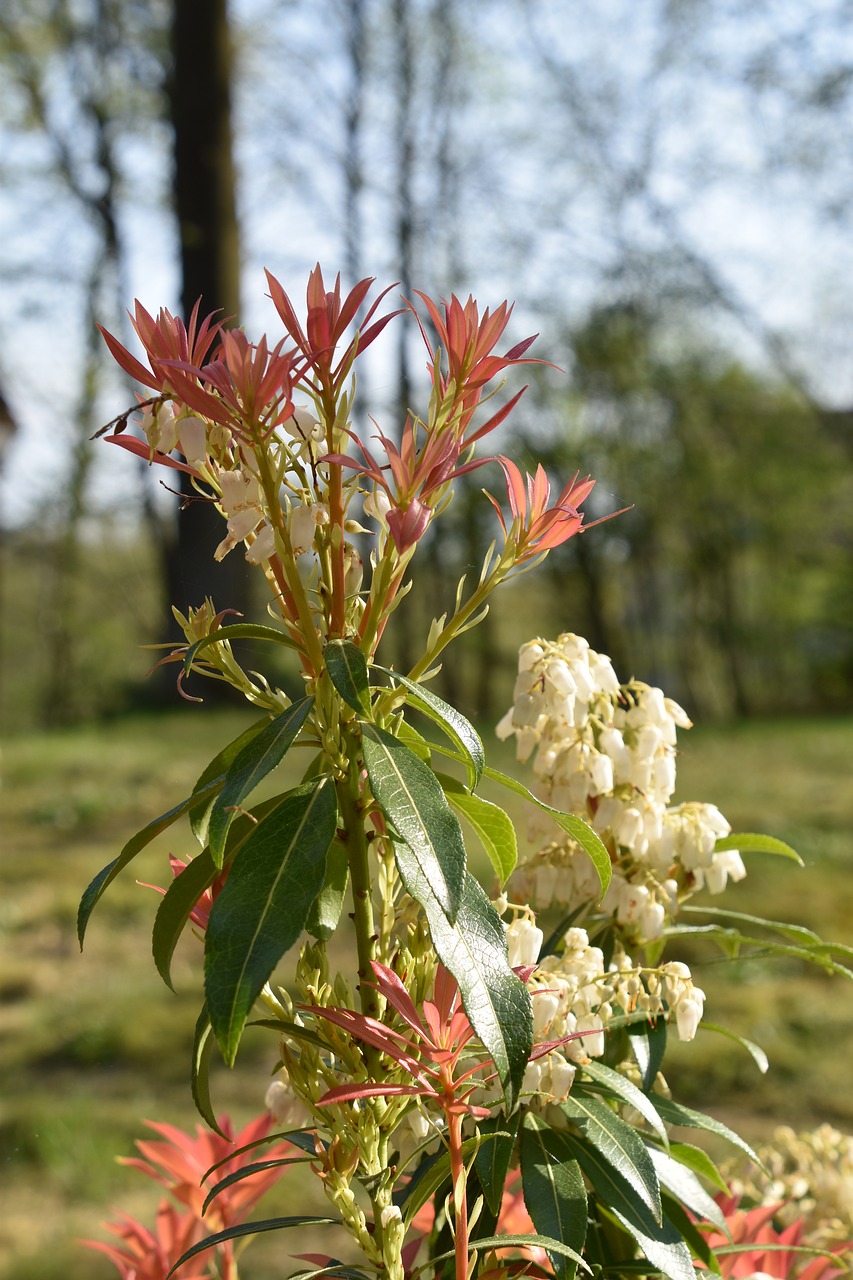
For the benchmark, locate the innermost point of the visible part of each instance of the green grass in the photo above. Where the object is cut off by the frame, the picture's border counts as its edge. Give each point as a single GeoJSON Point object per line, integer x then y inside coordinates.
{"type": "Point", "coordinates": [92, 1045]}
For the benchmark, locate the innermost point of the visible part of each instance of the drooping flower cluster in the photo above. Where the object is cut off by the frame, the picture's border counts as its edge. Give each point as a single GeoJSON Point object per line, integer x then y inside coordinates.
{"type": "Point", "coordinates": [810, 1175]}
{"type": "Point", "coordinates": [606, 751]}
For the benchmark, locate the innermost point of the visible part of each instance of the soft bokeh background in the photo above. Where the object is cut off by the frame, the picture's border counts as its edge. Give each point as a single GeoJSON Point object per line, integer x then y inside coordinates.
{"type": "Point", "coordinates": [666, 190]}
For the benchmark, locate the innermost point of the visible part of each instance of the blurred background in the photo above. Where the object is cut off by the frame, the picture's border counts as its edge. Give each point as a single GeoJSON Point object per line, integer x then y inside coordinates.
{"type": "Point", "coordinates": [666, 191]}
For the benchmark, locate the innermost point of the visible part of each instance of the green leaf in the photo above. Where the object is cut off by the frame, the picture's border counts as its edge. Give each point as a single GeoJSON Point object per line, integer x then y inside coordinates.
{"type": "Point", "coordinates": [460, 731]}
{"type": "Point", "coordinates": [490, 823]}
{"type": "Point", "coordinates": [648, 1044]}
{"type": "Point", "coordinates": [687, 1189]}
{"type": "Point", "coordinates": [237, 631]}
{"type": "Point", "coordinates": [690, 1233]}
{"type": "Point", "coordinates": [662, 1245]}
{"type": "Point", "coordinates": [516, 1241]}
{"type": "Point", "coordinates": [493, 1156]}
{"type": "Point", "coordinates": [750, 842]}
{"type": "Point", "coordinates": [215, 773]}
{"type": "Point", "coordinates": [554, 1192]}
{"type": "Point", "coordinates": [616, 1085]}
{"type": "Point", "coordinates": [347, 668]}
{"type": "Point", "coordinates": [327, 906]}
{"type": "Point", "coordinates": [675, 1113]}
{"type": "Point", "coordinates": [264, 904]}
{"type": "Point", "coordinates": [754, 1050]}
{"type": "Point", "coordinates": [199, 1084]}
{"type": "Point", "coordinates": [415, 741]}
{"type": "Point", "coordinates": [135, 845]}
{"type": "Point", "coordinates": [292, 1030]}
{"type": "Point", "coordinates": [474, 951]}
{"type": "Point", "coordinates": [174, 911]}
{"type": "Point", "coordinates": [410, 796]}
{"type": "Point", "coordinates": [570, 823]}
{"type": "Point", "coordinates": [251, 1229]}
{"type": "Point", "coordinates": [700, 1162]}
{"type": "Point", "coordinates": [258, 758]}
{"type": "Point", "coordinates": [185, 890]}
{"type": "Point", "coordinates": [248, 1171]}
{"type": "Point", "coordinates": [619, 1145]}
{"type": "Point", "coordinates": [431, 1177]}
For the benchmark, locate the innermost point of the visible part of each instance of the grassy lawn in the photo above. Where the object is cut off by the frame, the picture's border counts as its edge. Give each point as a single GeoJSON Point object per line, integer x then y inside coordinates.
{"type": "Point", "coordinates": [92, 1045]}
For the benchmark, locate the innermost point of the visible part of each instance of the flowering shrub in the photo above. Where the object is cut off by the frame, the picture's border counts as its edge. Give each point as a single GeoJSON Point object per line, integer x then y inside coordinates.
{"type": "Point", "coordinates": [472, 1099]}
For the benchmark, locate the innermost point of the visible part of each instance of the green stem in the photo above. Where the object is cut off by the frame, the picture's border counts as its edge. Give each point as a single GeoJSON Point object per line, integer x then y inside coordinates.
{"type": "Point", "coordinates": [358, 853]}
{"type": "Point", "coordinates": [474, 602]}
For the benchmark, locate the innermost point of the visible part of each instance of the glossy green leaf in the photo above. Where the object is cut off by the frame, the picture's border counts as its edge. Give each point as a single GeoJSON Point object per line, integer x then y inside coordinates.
{"type": "Point", "coordinates": [648, 1044]}
{"type": "Point", "coordinates": [175, 909]}
{"type": "Point", "coordinates": [619, 1145]}
{"type": "Point", "coordinates": [237, 631]}
{"type": "Point", "coordinates": [700, 1162]}
{"type": "Point", "coordinates": [515, 1241]}
{"type": "Point", "coordinates": [618, 1086]}
{"type": "Point", "coordinates": [732, 940]}
{"type": "Point", "coordinates": [215, 773]}
{"type": "Point", "coordinates": [460, 731]}
{"type": "Point", "coordinates": [264, 904]}
{"type": "Point", "coordinates": [248, 1171]}
{"type": "Point", "coordinates": [554, 1192]}
{"type": "Point", "coordinates": [186, 889]}
{"type": "Point", "coordinates": [493, 827]}
{"type": "Point", "coordinates": [687, 1189]}
{"type": "Point", "coordinates": [199, 1083]}
{"type": "Point", "coordinates": [251, 1229]}
{"type": "Point", "coordinates": [474, 951]}
{"type": "Point", "coordinates": [662, 1245]}
{"type": "Point", "coordinates": [135, 845]}
{"type": "Point", "coordinates": [347, 668]}
{"type": "Point", "coordinates": [258, 758]}
{"type": "Point", "coordinates": [574, 826]}
{"type": "Point", "coordinates": [754, 1050]}
{"type": "Point", "coordinates": [415, 741]}
{"type": "Point", "coordinates": [292, 1031]}
{"type": "Point", "coordinates": [690, 1233]}
{"type": "Point", "coordinates": [751, 842]}
{"type": "Point", "coordinates": [493, 1156]}
{"type": "Point", "coordinates": [797, 932]}
{"type": "Point", "coordinates": [410, 796]}
{"type": "Point", "coordinates": [327, 906]}
{"type": "Point", "coordinates": [616, 1197]}
{"type": "Point", "coordinates": [675, 1113]}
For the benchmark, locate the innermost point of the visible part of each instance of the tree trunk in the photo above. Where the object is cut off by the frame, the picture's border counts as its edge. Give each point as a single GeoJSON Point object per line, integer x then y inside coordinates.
{"type": "Point", "coordinates": [205, 207]}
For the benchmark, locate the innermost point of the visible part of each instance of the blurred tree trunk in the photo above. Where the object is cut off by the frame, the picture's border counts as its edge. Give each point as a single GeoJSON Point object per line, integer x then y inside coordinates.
{"type": "Point", "coordinates": [205, 207]}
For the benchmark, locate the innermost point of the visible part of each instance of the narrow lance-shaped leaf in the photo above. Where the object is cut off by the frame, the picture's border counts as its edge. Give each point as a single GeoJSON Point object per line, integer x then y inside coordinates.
{"type": "Point", "coordinates": [616, 1198]}
{"type": "Point", "coordinates": [474, 951]}
{"type": "Point", "coordinates": [250, 1229]}
{"type": "Point", "coordinates": [648, 1044]}
{"type": "Point", "coordinates": [460, 731]}
{"type": "Point", "coordinates": [216, 772]}
{"type": "Point", "coordinates": [237, 631]}
{"type": "Point", "coordinates": [554, 1192]}
{"type": "Point", "coordinates": [135, 845]}
{"type": "Point", "coordinates": [494, 828]}
{"type": "Point", "coordinates": [185, 890]}
{"type": "Point", "coordinates": [619, 1144]}
{"type": "Point", "coordinates": [616, 1085]}
{"type": "Point", "coordinates": [199, 1084]}
{"type": "Point", "coordinates": [347, 668]}
{"type": "Point", "coordinates": [258, 758]}
{"type": "Point", "coordinates": [493, 1157]}
{"type": "Point", "coordinates": [688, 1190]}
{"type": "Point", "coordinates": [264, 904]}
{"type": "Point", "coordinates": [675, 1113]}
{"type": "Point", "coordinates": [752, 842]}
{"type": "Point", "coordinates": [410, 796]}
{"type": "Point", "coordinates": [574, 826]}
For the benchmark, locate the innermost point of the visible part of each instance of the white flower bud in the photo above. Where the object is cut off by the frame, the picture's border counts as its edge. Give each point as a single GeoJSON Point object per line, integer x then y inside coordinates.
{"type": "Point", "coordinates": [688, 1013]}
{"type": "Point", "coordinates": [263, 547]}
{"type": "Point", "coordinates": [192, 438]}
{"type": "Point", "coordinates": [561, 1076]}
{"type": "Point", "coordinates": [524, 941]}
